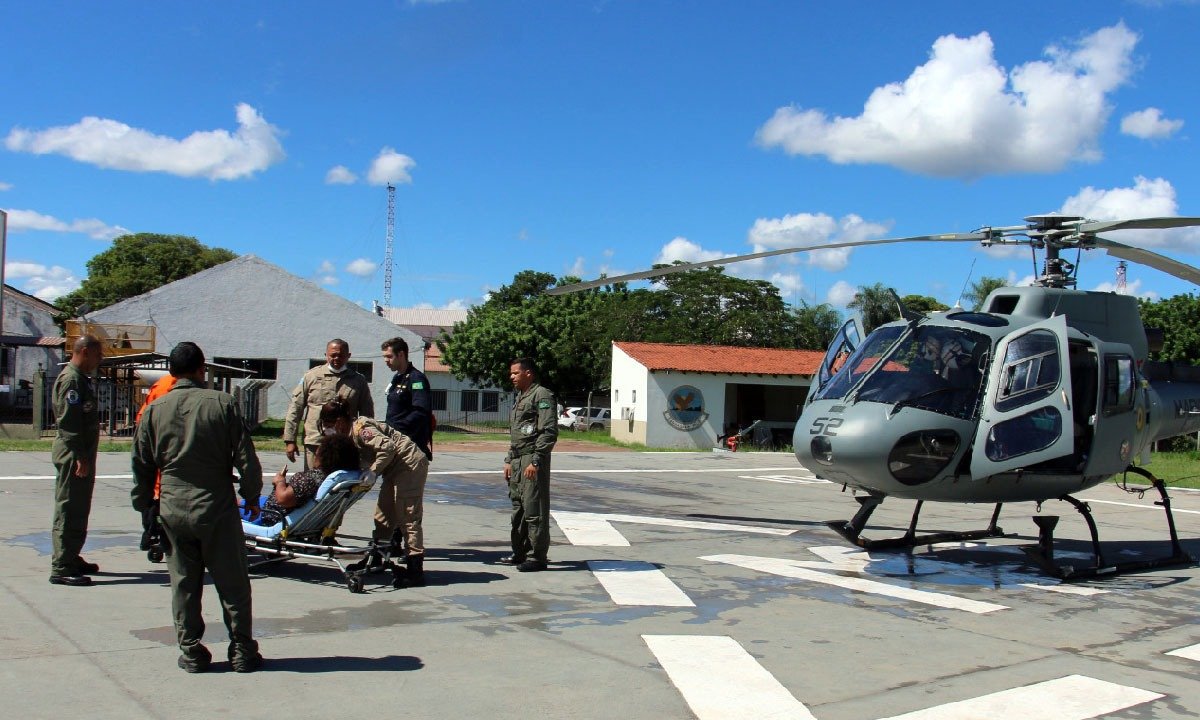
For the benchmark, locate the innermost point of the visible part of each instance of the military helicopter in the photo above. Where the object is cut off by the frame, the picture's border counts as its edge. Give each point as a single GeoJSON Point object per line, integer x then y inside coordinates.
{"type": "Point", "coordinates": [1044, 392]}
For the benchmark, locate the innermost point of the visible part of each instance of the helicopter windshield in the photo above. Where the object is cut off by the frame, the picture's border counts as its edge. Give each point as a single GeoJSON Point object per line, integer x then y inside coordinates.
{"type": "Point", "coordinates": [934, 368]}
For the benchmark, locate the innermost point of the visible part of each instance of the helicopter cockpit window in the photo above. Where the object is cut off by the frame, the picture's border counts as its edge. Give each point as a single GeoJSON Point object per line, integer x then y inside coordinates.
{"type": "Point", "coordinates": [1032, 369]}
{"type": "Point", "coordinates": [839, 351]}
{"type": "Point", "coordinates": [1118, 384]}
{"type": "Point", "coordinates": [933, 368]}
{"type": "Point", "coordinates": [857, 364]}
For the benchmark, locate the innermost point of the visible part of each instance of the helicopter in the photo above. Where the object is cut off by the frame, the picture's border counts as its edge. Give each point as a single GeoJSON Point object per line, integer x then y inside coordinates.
{"type": "Point", "coordinates": [1042, 393]}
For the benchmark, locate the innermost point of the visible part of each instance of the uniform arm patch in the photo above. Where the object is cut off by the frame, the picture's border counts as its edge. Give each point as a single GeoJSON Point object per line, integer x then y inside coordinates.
{"type": "Point", "coordinates": [72, 397]}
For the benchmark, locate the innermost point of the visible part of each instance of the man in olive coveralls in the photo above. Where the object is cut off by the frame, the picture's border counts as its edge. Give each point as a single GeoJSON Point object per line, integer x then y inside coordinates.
{"type": "Point", "coordinates": [534, 430]}
{"type": "Point", "coordinates": [195, 437]}
{"type": "Point", "coordinates": [320, 385]}
{"type": "Point", "coordinates": [75, 441]}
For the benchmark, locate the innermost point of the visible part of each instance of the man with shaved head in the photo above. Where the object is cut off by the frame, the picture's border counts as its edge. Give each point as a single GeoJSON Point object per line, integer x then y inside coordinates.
{"type": "Point", "coordinates": [77, 434]}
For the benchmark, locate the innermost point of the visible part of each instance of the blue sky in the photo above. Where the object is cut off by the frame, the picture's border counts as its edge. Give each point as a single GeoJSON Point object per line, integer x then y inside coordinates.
{"type": "Point", "coordinates": [589, 137]}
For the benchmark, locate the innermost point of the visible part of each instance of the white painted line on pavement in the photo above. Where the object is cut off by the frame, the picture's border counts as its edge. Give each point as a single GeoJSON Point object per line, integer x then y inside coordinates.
{"type": "Point", "coordinates": [800, 570]}
{"type": "Point", "coordinates": [787, 479]}
{"type": "Point", "coordinates": [500, 471]}
{"type": "Point", "coordinates": [1191, 652]}
{"type": "Point", "coordinates": [1075, 697]}
{"type": "Point", "coordinates": [632, 582]}
{"type": "Point", "coordinates": [1139, 505]}
{"type": "Point", "coordinates": [596, 530]}
{"type": "Point", "coordinates": [1065, 589]}
{"type": "Point", "coordinates": [719, 680]}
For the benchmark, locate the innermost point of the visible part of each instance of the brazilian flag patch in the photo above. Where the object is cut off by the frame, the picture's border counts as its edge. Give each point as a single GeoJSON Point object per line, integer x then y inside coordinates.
{"type": "Point", "coordinates": [543, 404]}
{"type": "Point", "coordinates": [418, 386]}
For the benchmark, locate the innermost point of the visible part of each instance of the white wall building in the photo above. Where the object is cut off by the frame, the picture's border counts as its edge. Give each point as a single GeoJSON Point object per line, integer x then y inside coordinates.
{"type": "Point", "coordinates": [250, 313]}
{"type": "Point", "coordinates": [28, 339]}
{"type": "Point", "coordinates": [685, 396]}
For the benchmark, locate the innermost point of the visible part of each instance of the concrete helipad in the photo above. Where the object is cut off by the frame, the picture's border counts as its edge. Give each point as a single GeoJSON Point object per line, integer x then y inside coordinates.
{"type": "Point", "coordinates": [681, 585]}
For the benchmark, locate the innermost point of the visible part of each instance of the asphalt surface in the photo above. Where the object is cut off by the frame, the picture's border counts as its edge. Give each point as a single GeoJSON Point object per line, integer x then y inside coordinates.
{"type": "Point", "coordinates": [681, 585]}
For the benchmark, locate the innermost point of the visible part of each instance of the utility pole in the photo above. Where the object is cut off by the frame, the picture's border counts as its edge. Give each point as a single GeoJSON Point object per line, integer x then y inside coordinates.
{"type": "Point", "coordinates": [387, 254]}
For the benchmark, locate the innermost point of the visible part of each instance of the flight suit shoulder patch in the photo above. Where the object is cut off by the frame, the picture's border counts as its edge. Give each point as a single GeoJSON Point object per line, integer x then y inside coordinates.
{"type": "Point", "coordinates": [418, 385]}
{"type": "Point", "coordinates": [543, 404]}
{"type": "Point", "coordinates": [73, 397]}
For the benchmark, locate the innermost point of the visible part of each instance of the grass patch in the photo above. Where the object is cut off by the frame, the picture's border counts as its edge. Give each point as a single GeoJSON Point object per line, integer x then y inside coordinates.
{"type": "Point", "coordinates": [1177, 469]}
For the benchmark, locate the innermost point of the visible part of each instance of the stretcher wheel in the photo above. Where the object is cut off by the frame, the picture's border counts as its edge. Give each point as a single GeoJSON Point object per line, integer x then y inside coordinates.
{"type": "Point", "coordinates": [354, 584]}
{"type": "Point", "coordinates": [155, 555]}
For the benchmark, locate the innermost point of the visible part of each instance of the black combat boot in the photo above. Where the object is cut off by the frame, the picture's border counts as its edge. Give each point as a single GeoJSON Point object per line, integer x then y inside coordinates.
{"type": "Point", "coordinates": [416, 570]}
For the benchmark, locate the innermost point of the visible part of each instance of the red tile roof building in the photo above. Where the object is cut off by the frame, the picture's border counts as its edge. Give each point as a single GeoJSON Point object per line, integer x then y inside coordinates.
{"type": "Point", "coordinates": [722, 359]}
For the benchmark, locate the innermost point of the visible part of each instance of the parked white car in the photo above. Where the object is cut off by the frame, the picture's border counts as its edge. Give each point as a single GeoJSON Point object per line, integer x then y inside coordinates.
{"type": "Point", "coordinates": [573, 418]}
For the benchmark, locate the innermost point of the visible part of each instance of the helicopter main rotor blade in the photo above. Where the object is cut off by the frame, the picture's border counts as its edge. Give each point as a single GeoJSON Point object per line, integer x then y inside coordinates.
{"type": "Point", "coordinates": [1139, 224]}
{"type": "Point", "coordinates": [669, 269]}
{"type": "Point", "coordinates": [1161, 263]}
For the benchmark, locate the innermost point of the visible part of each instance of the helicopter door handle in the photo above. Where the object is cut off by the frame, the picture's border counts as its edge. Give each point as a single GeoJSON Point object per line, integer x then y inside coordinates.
{"type": "Point", "coordinates": [1066, 400]}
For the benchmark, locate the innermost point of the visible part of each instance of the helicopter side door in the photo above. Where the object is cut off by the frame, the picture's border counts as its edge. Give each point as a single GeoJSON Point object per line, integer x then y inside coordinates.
{"type": "Point", "coordinates": [1026, 417]}
{"type": "Point", "coordinates": [843, 345]}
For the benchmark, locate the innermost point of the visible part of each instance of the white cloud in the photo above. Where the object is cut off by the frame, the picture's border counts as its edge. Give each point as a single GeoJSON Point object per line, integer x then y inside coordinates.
{"type": "Point", "coordinates": [578, 268]}
{"type": "Point", "coordinates": [329, 280]}
{"type": "Point", "coordinates": [390, 167]}
{"type": "Point", "coordinates": [961, 115]}
{"type": "Point", "coordinates": [47, 283]}
{"type": "Point", "coordinates": [1133, 288]}
{"type": "Point", "coordinates": [686, 251]}
{"type": "Point", "coordinates": [214, 154]}
{"type": "Point", "coordinates": [362, 267]}
{"type": "Point", "coordinates": [840, 294]}
{"type": "Point", "coordinates": [326, 268]}
{"type": "Point", "coordinates": [5, 186]}
{"type": "Point", "coordinates": [807, 230]}
{"type": "Point", "coordinates": [22, 220]}
{"type": "Point", "coordinates": [340, 175]}
{"type": "Point", "coordinates": [1149, 124]}
{"type": "Point", "coordinates": [1145, 199]}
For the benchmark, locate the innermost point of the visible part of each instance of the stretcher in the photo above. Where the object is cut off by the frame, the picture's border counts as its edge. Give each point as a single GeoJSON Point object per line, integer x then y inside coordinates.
{"type": "Point", "coordinates": [310, 531]}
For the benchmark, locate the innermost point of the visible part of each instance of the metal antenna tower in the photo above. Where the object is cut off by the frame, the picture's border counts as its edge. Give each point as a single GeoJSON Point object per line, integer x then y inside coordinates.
{"type": "Point", "coordinates": [1121, 267]}
{"type": "Point", "coordinates": [387, 254]}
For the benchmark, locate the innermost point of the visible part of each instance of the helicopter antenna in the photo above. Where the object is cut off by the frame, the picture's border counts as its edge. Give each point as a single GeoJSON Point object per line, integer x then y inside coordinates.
{"type": "Point", "coordinates": [970, 271]}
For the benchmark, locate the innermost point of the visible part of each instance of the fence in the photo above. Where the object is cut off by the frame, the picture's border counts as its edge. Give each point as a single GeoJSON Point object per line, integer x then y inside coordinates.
{"type": "Point", "coordinates": [472, 411]}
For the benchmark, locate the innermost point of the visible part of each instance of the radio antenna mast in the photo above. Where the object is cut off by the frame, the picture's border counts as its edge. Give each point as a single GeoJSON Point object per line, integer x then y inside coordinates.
{"type": "Point", "coordinates": [387, 254]}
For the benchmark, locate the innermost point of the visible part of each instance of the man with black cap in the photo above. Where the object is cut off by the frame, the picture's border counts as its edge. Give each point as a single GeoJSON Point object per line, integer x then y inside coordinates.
{"type": "Point", "coordinates": [196, 437]}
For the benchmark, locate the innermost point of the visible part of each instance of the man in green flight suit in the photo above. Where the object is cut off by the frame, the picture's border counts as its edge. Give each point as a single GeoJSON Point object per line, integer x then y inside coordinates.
{"type": "Point", "coordinates": [196, 437]}
{"type": "Point", "coordinates": [534, 430]}
{"type": "Point", "coordinates": [75, 440]}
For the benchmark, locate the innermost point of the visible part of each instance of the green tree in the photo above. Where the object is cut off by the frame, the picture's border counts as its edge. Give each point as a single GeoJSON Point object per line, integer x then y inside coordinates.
{"type": "Point", "coordinates": [137, 264]}
{"type": "Point", "coordinates": [564, 334]}
{"type": "Point", "coordinates": [1179, 319]}
{"type": "Point", "coordinates": [980, 289]}
{"type": "Point", "coordinates": [923, 304]}
{"type": "Point", "coordinates": [815, 325]}
{"type": "Point", "coordinates": [876, 304]}
{"type": "Point", "coordinates": [708, 307]}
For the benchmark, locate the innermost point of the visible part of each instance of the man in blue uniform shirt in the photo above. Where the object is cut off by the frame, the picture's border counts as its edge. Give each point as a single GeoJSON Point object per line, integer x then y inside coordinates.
{"type": "Point", "coordinates": [409, 408]}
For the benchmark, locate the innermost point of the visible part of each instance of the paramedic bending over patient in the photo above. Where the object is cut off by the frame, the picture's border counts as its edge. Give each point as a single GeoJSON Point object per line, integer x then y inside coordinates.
{"type": "Point", "coordinates": [334, 452]}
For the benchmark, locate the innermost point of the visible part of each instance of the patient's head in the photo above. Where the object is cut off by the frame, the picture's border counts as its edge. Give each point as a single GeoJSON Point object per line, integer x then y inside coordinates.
{"type": "Point", "coordinates": [337, 452]}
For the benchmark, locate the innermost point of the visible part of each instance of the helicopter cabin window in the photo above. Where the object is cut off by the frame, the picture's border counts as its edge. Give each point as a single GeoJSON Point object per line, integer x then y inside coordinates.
{"type": "Point", "coordinates": [1032, 370]}
{"type": "Point", "coordinates": [1118, 384]}
{"type": "Point", "coordinates": [1025, 434]}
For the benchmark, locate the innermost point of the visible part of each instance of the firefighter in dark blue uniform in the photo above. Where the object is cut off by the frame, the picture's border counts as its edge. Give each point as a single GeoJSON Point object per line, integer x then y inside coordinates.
{"type": "Point", "coordinates": [409, 408]}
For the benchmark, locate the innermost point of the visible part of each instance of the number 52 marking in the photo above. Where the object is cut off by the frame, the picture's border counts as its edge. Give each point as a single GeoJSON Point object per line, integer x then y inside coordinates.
{"type": "Point", "coordinates": [825, 426]}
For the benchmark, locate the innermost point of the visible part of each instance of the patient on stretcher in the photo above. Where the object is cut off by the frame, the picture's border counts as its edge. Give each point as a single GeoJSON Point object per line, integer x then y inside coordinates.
{"type": "Point", "coordinates": [334, 452]}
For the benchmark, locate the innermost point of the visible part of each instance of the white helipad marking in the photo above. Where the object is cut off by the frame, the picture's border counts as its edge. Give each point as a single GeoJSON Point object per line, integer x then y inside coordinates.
{"type": "Point", "coordinates": [631, 582]}
{"type": "Point", "coordinates": [800, 569]}
{"type": "Point", "coordinates": [786, 479]}
{"type": "Point", "coordinates": [1191, 652]}
{"type": "Point", "coordinates": [596, 530]}
{"type": "Point", "coordinates": [1075, 697]}
{"type": "Point", "coordinates": [1139, 505]}
{"type": "Point", "coordinates": [1065, 589]}
{"type": "Point", "coordinates": [719, 680]}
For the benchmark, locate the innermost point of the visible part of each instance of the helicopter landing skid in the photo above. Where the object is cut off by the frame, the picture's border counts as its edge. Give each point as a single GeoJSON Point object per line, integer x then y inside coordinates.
{"type": "Point", "coordinates": [852, 530]}
{"type": "Point", "coordinates": [1043, 552]}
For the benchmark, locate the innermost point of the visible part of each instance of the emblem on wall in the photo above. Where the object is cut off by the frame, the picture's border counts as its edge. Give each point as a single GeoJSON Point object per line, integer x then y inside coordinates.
{"type": "Point", "coordinates": [685, 408]}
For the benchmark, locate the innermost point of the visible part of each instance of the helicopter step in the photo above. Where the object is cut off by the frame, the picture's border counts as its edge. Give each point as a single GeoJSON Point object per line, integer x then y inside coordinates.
{"type": "Point", "coordinates": [1043, 552]}
{"type": "Point", "coordinates": [852, 530]}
